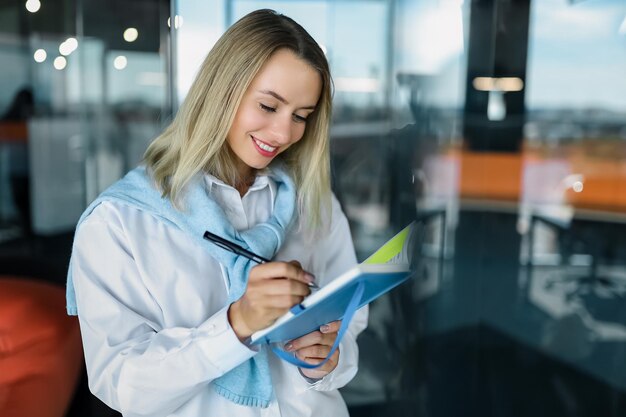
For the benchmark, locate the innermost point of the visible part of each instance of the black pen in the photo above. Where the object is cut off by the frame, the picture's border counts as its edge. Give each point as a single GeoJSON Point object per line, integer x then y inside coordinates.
{"type": "Point", "coordinates": [234, 248]}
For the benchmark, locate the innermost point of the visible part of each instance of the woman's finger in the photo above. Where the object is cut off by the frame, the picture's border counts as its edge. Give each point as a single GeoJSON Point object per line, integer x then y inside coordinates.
{"type": "Point", "coordinates": [279, 286]}
{"type": "Point", "coordinates": [323, 370]}
{"type": "Point", "coordinates": [288, 270]}
{"type": "Point", "coordinates": [311, 339]}
{"type": "Point", "coordinates": [313, 352]}
{"type": "Point", "coordinates": [332, 327]}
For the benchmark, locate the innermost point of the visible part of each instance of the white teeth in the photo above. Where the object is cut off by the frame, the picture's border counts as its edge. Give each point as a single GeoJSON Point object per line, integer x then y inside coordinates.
{"type": "Point", "coordinates": [265, 147]}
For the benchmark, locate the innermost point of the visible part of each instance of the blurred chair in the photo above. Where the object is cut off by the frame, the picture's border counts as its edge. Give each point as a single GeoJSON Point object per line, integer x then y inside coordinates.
{"type": "Point", "coordinates": [543, 201]}
{"type": "Point", "coordinates": [543, 194]}
{"type": "Point", "coordinates": [599, 240]}
{"type": "Point", "coordinates": [544, 189]}
{"type": "Point", "coordinates": [40, 350]}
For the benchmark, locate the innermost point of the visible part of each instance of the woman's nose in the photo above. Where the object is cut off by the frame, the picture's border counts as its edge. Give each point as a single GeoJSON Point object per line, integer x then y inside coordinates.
{"type": "Point", "coordinates": [281, 130]}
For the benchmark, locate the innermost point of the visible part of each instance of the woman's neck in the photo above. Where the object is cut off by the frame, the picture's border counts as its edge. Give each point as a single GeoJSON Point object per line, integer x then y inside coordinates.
{"type": "Point", "coordinates": [245, 182]}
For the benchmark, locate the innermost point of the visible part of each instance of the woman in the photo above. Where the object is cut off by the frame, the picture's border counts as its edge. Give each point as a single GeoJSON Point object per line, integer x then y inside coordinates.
{"type": "Point", "coordinates": [164, 314]}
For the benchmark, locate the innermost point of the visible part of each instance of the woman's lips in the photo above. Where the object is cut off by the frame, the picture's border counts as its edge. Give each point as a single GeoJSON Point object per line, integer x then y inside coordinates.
{"type": "Point", "coordinates": [263, 148]}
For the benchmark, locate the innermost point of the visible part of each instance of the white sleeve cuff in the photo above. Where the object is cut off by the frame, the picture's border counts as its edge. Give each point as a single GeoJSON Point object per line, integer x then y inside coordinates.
{"type": "Point", "coordinates": [217, 339]}
{"type": "Point", "coordinates": [345, 370]}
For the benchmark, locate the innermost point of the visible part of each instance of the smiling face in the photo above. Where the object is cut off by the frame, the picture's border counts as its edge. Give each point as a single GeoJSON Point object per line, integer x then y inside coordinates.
{"type": "Point", "coordinates": [273, 111]}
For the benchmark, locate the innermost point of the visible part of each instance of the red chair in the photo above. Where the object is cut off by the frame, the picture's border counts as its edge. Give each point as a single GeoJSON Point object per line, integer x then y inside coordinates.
{"type": "Point", "coordinates": [40, 350]}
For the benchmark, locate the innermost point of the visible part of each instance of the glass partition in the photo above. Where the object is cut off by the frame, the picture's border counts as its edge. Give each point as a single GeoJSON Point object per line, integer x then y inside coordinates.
{"type": "Point", "coordinates": [572, 211]}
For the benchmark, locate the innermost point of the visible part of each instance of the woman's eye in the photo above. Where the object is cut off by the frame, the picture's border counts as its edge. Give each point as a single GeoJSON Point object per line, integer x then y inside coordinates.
{"type": "Point", "coordinates": [267, 108]}
{"type": "Point", "coordinates": [299, 119]}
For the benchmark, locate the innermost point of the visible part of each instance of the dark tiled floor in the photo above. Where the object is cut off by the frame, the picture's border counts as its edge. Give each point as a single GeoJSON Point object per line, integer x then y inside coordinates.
{"type": "Point", "coordinates": [480, 372]}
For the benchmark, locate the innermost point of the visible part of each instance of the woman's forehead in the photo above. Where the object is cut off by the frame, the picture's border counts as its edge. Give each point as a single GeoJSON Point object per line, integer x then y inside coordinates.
{"type": "Point", "coordinates": [289, 77]}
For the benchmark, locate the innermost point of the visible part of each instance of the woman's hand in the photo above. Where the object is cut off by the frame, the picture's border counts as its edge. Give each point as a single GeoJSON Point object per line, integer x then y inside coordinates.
{"type": "Point", "coordinates": [314, 347]}
{"type": "Point", "coordinates": [273, 288]}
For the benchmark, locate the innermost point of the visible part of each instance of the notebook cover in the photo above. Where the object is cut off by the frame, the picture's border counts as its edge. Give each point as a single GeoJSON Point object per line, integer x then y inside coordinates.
{"type": "Point", "coordinates": [329, 303]}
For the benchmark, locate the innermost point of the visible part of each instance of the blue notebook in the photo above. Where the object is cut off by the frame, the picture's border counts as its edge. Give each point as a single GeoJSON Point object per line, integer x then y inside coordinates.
{"type": "Point", "coordinates": [330, 302]}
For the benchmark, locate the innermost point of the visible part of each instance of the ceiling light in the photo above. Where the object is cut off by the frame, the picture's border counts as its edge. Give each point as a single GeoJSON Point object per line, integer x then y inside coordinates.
{"type": "Point", "coordinates": [120, 62]}
{"type": "Point", "coordinates": [484, 83]}
{"type": "Point", "coordinates": [33, 6]}
{"type": "Point", "coordinates": [68, 46]}
{"type": "Point", "coordinates": [131, 34]}
{"type": "Point", "coordinates": [60, 62]}
{"type": "Point", "coordinates": [65, 49]}
{"type": "Point", "coordinates": [505, 84]}
{"type": "Point", "coordinates": [509, 84]}
{"type": "Point", "coordinates": [40, 55]}
{"type": "Point", "coordinates": [72, 43]}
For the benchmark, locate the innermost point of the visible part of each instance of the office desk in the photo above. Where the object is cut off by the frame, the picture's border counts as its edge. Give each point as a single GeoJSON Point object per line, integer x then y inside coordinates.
{"type": "Point", "coordinates": [493, 176]}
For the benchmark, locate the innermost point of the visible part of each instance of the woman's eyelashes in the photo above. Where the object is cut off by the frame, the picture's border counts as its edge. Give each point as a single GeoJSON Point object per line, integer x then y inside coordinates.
{"type": "Point", "coordinates": [269, 109]}
{"type": "Point", "coordinates": [299, 119]}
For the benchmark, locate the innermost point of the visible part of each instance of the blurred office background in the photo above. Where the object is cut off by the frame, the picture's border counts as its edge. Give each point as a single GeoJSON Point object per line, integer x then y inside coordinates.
{"type": "Point", "coordinates": [499, 126]}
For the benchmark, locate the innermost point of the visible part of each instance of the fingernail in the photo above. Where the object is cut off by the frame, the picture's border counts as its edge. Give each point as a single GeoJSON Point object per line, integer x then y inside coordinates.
{"type": "Point", "coordinates": [288, 347]}
{"type": "Point", "coordinates": [309, 277]}
{"type": "Point", "coordinates": [324, 328]}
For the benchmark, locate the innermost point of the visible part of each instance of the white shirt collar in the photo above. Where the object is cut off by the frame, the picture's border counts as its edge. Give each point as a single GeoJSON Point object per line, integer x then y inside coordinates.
{"type": "Point", "coordinates": [261, 181]}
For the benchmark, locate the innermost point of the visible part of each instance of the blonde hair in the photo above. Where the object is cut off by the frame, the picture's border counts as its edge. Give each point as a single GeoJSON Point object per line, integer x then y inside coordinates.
{"type": "Point", "coordinates": [195, 141]}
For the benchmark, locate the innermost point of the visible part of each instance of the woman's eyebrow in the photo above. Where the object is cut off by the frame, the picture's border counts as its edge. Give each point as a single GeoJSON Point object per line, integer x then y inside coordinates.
{"type": "Point", "coordinates": [282, 99]}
